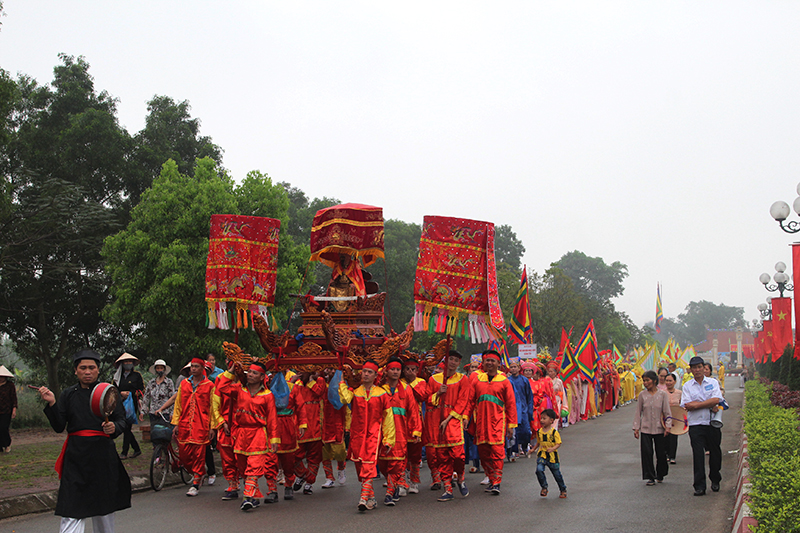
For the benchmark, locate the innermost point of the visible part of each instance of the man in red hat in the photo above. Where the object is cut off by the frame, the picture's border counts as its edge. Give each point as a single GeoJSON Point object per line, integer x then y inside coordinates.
{"type": "Point", "coordinates": [408, 428]}
{"type": "Point", "coordinates": [309, 446]}
{"type": "Point", "coordinates": [192, 416]}
{"type": "Point", "coordinates": [333, 448]}
{"type": "Point", "coordinates": [223, 404]}
{"type": "Point", "coordinates": [291, 424]}
{"type": "Point", "coordinates": [419, 390]}
{"type": "Point", "coordinates": [447, 408]}
{"type": "Point", "coordinates": [372, 425]}
{"type": "Point", "coordinates": [256, 437]}
{"type": "Point", "coordinates": [495, 417]}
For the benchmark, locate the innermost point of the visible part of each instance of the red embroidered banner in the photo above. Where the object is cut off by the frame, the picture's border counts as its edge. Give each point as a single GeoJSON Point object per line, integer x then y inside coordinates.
{"type": "Point", "coordinates": [242, 260]}
{"type": "Point", "coordinates": [456, 276]}
{"type": "Point", "coordinates": [353, 229]}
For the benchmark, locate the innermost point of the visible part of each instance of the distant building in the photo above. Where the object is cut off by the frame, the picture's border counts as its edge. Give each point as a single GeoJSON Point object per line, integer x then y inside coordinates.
{"type": "Point", "coordinates": [727, 343]}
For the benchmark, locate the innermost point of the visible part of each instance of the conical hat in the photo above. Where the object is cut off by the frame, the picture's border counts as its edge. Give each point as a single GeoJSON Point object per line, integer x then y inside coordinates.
{"type": "Point", "coordinates": [4, 372]}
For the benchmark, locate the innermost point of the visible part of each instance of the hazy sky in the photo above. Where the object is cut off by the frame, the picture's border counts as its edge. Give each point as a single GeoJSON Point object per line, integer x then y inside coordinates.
{"type": "Point", "coordinates": [652, 133]}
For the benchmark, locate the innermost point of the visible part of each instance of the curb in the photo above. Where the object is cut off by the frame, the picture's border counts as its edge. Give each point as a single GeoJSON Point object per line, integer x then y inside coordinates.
{"type": "Point", "coordinates": [742, 517]}
{"type": "Point", "coordinates": [46, 501]}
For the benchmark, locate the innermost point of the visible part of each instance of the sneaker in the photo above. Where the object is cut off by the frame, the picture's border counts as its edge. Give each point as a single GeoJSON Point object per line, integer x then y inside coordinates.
{"type": "Point", "coordinates": [446, 497]}
{"type": "Point", "coordinates": [436, 486]}
{"type": "Point", "coordinates": [396, 494]}
{"type": "Point", "coordinates": [485, 481]}
{"type": "Point", "coordinates": [136, 454]}
{"type": "Point", "coordinates": [192, 491]}
{"type": "Point", "coordinates": [462, 487]}
{"type": "Point", "coordinates": [307, 489]}
{"type": "Point", "coordinates": [563, 495]}
{"type": "Point", "coordinates": [280, 479]}
{"type": "Point", "coordinates": [329, 484]}
{"type": "Point", "coordinates": [123, 456]}
{"type": "Point", "coordinates": [388, 500]}
{"type": "Point", "coordinates": [495, 490]}
{"type": "Point", "coordinates": [362, 505]}
{"type": "Point", "coordinates": [371, 504]}
{"type": "Point", "coordinates": [298, 483]}
{"type": "Point", "coordinates": [231, 495]}
{"type": "Point", "coordinates": [342, 477]}
{"type": "Point", "coordinates": [211, 480]}
{"type": "Point", "coordinates": [402, 492]}
{"type": "Point", "coordinates": [272, 497]}
{"type": "Point", "coordinates": [413, 488]}
{"type": "Point", "coordinates": [247, 505]}
{"type": "Point", "coordinates": [288, 493]}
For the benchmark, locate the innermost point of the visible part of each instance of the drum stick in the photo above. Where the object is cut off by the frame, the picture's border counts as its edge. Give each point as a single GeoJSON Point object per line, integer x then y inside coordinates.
{"type": "Point", "coordinates": [34, 387]}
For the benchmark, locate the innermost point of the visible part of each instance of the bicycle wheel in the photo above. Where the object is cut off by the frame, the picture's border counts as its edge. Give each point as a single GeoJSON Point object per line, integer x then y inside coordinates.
{"type": "Point", "coordinates": [186, 477]}
{"type": "Point", "coordinates": [159, 467]}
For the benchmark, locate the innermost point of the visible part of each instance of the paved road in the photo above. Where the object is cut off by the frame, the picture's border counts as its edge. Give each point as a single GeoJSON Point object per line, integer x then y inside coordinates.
{"type": "Point", "coordinates": [600, 463]}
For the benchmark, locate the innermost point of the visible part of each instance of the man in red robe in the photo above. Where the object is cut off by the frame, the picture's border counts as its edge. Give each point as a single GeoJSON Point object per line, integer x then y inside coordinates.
{"type": "Point", "coordinates": [192, 416]}
{"type": "Point", "coordinates": [419, 393]}
{"type": "Point", "coordinates": [333, 448]}
{"type": "Point", "coordinates": [447, 408]}
{"type": "Point", "coordinates": [372, 424]}
{"type": "Point", "coordinates": [408, 428]}
{"type": "Point", "coordinates": [291, 423]}
{"type": "Point", "coordinates": [222, 406]}
{"type": "Point", "coordinates": [310, 392]}
{"type": "Point", "coordinates": [256, 437]}
{"type": "Point", "coordinates": [495, 417]}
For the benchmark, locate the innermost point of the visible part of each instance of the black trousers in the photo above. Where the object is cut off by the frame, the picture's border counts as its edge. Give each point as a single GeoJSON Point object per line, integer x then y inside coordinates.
{"type": "Point", "coordinates": [129, 441]}
{"type": "Point", "coordinates": [672, 446]}
{"type": "Point", "coordinates": [5, 434]}
{"type": "Point", "coordinates": [658, 441]}
{"type": "Point", "coordinates": [706, 438]}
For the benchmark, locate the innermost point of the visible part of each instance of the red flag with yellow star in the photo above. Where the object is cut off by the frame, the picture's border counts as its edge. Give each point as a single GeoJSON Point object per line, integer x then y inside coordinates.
{"type": "Point", "coordinates": [781, 326]}
{"type": "Point", "coordinates": [767, 332]}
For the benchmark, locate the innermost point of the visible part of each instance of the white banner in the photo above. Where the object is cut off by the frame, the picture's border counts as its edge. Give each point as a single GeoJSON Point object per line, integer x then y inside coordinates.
{"type": "Point", "coordinates": [527, 351]}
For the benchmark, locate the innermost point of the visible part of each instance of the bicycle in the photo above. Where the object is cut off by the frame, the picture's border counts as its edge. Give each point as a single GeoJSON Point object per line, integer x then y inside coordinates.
{"type": "Point", "coordinates": [165, 458]}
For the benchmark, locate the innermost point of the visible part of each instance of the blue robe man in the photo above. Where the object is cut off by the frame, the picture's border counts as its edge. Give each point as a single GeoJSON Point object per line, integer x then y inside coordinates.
{"type": "Point", "coordinates": [524, 398]}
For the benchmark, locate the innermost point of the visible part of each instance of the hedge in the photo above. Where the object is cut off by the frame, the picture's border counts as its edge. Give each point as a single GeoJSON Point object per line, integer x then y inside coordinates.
{"type": "Point", "coordinates": [774, 454]}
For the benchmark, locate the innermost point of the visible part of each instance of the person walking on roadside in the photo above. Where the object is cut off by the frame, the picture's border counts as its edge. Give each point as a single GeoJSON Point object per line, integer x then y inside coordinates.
{"type": "Point", "coordinates": [94, 483]}
{"type": "Point", "coordinates": [8, 408]}
{"type": "Point", "coordinates": [156, 393]}
{"type": "Point", "coordinates": [701, 396]}
{"type": "Point", "coordinates": [130, 383]}
{"type": "Point", "coordinates": [674, 399]}
{"type": "Point", "coordinates": [649, 426]}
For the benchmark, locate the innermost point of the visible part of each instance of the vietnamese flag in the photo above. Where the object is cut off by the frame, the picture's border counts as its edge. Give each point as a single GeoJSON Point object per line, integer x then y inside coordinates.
{"type": "Point", "coordinates": [796, 275]}
{"type": "Point", "coordinates": [767, 339]}
{"type": "Point", "coordinates": [781, 326]}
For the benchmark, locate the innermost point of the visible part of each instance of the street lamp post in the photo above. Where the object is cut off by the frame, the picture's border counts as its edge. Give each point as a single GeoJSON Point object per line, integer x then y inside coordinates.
{"type": "Point", "coordinates": [780, 211]}
{"type": "Point", "coordinates": [766, 309]}
{"type": "Point", "coordinates": [783, 282]}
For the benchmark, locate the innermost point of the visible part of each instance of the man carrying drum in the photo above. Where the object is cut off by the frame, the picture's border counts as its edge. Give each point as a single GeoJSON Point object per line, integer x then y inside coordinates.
{"type": "Point", "coordinates": [94, 484]}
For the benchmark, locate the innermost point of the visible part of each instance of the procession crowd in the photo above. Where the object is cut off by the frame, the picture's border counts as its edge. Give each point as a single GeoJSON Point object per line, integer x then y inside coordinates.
{"type": "Point", "coordinates": [282, 426]}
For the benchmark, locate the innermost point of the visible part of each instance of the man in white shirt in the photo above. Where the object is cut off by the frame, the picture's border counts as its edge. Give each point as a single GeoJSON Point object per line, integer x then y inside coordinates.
{"type": "Point", "coordinates": [700, 396]}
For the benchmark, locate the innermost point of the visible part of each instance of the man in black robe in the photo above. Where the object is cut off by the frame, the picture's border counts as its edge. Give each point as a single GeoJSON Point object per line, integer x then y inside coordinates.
{"type": "Point", "coordinates": [94, 483]}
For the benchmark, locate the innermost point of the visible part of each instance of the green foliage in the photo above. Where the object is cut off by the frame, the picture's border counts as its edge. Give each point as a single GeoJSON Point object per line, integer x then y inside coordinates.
{"type": "Point", "coordinates": [30, 407]}
{"type": "Point", "coordinates": [699, 315]}
{"type": "Point", "coordinates": [396, 275]}
{"type": "Point", "coordinates": [158, 262]}
{"type": "Point", "coordinates": [555, 304]}
{"type": "Point", "coordinates": [592, 277]}
{"type": "Point", "coordinates": [508, 248]}
{"type": "Point", "coordinates": [774, 455]}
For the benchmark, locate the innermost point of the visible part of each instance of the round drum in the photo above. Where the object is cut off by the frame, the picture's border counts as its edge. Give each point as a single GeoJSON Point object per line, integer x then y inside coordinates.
{"type": "Point", "coordinates": [103, 400]}
{"type": "Point", "coordinates": [679, 423]}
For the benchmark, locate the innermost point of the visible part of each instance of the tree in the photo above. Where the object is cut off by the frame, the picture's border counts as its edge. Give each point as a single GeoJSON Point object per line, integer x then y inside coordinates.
{"type": "Point", "coordinates": [698, 316]}
{"type": "Point", "coordinates": [592, 276]}
{"type": "Point", "coordinates": [508, 248]}
{"type": "Point", "coordinates": [555, 304]}
{"type": "Point", "coordinates": [169, 133]}
{"type": "Point", "coordinates": [158, 262]}
{"type": "Point", "coordinates": [64, 191]}
{"type": "Point", "coordinates": [397, 273]}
